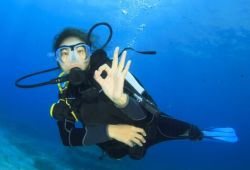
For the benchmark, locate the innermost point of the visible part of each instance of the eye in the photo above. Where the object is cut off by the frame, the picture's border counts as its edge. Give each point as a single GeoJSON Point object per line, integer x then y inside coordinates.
{"type": "Point", "coordinates": [81, 51]}
{"type": "Point", "coordinates": [64, 55]}
{"type": "Point", "coordinates": [64, 52]}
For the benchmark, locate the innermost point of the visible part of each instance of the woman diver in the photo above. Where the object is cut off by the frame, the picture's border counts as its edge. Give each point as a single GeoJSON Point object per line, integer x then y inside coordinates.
{"type": "Point", "coordinates": [115, 111]}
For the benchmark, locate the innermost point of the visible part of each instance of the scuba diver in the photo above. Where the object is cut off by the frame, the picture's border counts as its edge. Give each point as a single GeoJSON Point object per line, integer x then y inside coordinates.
{"type": "Point", "coordinates": [116, 112]}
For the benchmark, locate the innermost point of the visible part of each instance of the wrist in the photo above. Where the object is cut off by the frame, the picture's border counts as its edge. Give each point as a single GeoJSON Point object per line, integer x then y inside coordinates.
{"type": "Point", "coordinates": [123, 101]}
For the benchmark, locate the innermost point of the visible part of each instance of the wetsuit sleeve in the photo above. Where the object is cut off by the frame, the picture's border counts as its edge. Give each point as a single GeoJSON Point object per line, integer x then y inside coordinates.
{"type": "Point", "coordinates": [133, 110]}
{"type": "Point", "coordinates": [72, 136]}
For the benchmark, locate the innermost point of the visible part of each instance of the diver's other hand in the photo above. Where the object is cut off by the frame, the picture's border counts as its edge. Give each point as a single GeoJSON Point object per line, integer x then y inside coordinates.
{"type": "Point", "coordinates": [127, 134]}
{"type": "Point", "coordinates": [113, 83]}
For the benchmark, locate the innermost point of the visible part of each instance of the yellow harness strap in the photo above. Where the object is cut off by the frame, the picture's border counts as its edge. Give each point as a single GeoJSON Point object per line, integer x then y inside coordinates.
{"type": "Point", "coordinates": [61, 90]}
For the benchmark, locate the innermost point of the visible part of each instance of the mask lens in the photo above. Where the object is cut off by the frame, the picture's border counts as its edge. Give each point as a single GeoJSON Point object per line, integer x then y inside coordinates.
{"type": "Point", "coordinates": [63, 54]}
{"type": "Point", "coordinates": [80, 53]}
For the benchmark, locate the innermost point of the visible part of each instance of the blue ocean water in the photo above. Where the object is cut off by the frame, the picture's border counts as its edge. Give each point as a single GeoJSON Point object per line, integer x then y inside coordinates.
{"type": "Point", "coordinates": [200, 74]}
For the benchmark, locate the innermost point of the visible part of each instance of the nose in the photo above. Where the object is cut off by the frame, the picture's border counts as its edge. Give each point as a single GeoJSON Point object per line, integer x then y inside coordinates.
{"type": "Point", "coordinates": [73, 57]}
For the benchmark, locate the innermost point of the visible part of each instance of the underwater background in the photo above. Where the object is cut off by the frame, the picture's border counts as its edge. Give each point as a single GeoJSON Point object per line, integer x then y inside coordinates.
{"type": "Point", "coordinates": [200, 74]}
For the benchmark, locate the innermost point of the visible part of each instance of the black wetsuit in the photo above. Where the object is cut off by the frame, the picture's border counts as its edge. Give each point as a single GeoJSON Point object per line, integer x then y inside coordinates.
{"type": "Point", "coordinates": [95, 111]}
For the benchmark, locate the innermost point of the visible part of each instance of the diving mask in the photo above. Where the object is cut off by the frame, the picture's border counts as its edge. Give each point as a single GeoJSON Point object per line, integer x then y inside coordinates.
{"type": "Point", "coordinates": [70, 54]}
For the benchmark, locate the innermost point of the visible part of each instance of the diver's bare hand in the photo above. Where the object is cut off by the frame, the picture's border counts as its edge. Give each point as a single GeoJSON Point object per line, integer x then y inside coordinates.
{"type": "Point", "coordinates": [127, 134]}
{"type": "Point", "coordinates": [113, 83]}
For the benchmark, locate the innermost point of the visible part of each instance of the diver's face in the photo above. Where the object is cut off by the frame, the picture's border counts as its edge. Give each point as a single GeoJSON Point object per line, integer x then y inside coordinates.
{"type": "Point", "coordinates": [72, 53]}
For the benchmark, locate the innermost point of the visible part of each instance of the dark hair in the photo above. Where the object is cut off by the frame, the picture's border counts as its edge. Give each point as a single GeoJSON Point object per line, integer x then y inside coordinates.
{"type": "Point", "coordinates": [69, 32]}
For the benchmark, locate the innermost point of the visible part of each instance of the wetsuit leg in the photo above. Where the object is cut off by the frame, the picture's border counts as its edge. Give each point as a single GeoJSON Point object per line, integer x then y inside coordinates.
{"type": "Point", "coordinates": [169, 128]}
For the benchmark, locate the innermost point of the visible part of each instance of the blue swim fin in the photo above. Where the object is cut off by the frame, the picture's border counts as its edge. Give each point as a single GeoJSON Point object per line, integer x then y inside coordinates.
{"type": "Point", "coordinates": [222, 134]}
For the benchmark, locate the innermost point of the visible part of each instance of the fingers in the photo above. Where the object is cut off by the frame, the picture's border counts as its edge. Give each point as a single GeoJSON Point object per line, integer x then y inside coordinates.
{"type": "Point", "coordinates": [137, 141]}
{"type": "Point", "coordinates": [97, 75]}
{"type": "Point", "coordinates": [130, 143]}
{"type": "Point", "coordinates": [133, 142]}
{"type": "Point", "coordinates": [141, 138]}
{"type": "Point", "coordinates": [98, 78]}
{"type": "Point", "coordinates": [140, 130]}
{"type": "Point", "coordinates": [129, 135]}
{"type": "Point", "coordinates": [104, 67]}
{"type": "Point", "coordinates": [115, 59]}
{"type": "Point", "coordinates": [122, 61]}
{"type": "Point", "coordinates": [125, 71]}
{"type": "Point", "coordinates": [138, 137]}
{"type": "Point", "coordinates": [120, 66]}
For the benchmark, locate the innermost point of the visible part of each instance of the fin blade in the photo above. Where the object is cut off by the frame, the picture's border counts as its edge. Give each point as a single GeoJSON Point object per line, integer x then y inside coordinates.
{"type": "Point", "coordinates": [221, 134]}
